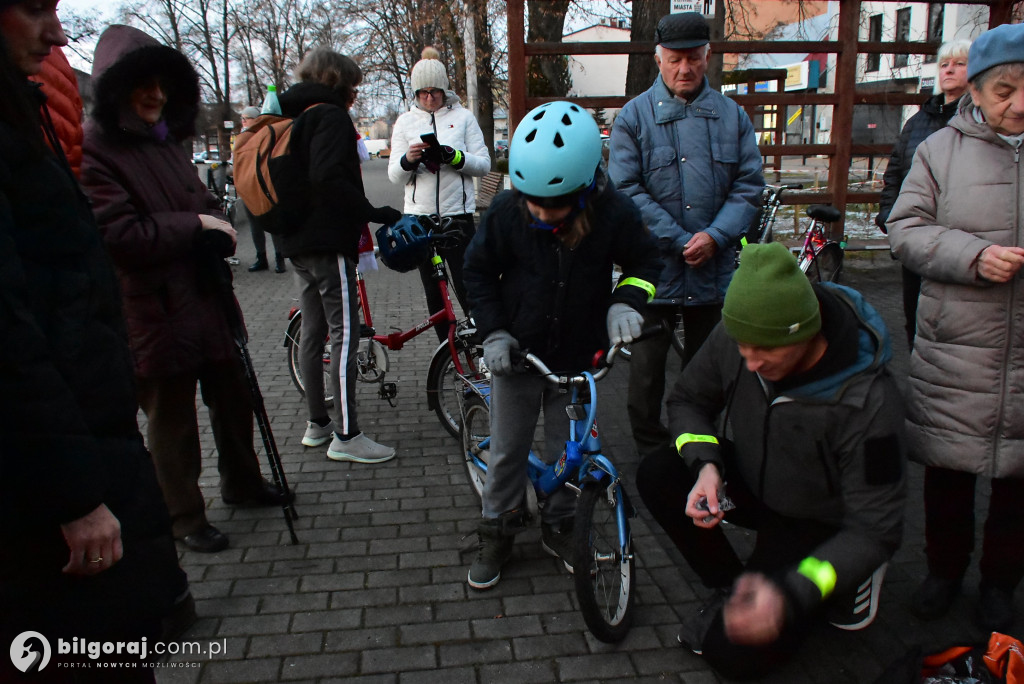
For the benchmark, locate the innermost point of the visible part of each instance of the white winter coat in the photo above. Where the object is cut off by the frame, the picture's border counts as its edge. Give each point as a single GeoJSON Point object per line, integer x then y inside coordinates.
{"type": "Point", "coordinates": [454, 126]}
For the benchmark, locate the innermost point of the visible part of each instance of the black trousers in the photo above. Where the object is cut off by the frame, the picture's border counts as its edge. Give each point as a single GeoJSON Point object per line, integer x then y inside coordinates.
{"type": "Point", "coordinates": [949, 527]}
{"type": "Point", "coordinates": [911, 292]}
{"type": "Point", "coordinates": [664, 481]}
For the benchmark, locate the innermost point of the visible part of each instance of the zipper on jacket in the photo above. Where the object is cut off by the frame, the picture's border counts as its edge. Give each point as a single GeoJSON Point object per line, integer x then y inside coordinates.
{"type": "Point", "coordinates": [1008, 348]}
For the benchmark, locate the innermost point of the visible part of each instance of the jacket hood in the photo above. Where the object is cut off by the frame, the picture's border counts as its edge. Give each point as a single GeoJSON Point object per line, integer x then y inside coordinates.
{"type": "Point", "coordinates": [965, 122]}
{"type": "Point", "coordinates": [296, 99]}
{"type": "Point", "coordinates": [874, 347]}
{"type": "Point", "coordinates": [124, 58]}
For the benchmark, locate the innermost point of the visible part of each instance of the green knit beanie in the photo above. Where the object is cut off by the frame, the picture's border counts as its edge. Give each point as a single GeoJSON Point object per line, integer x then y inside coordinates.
{"type": "Point", "coordinates": [770, 303]}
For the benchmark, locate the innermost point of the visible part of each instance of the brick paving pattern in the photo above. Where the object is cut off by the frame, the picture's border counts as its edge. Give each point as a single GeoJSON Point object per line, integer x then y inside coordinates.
{"type": "Point", "coordinates": [376, 589]}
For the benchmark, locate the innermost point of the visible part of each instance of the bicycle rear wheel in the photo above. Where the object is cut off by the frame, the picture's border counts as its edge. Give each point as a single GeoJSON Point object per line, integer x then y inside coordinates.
{"type": "Point", "coordinates": [604, 576]}
{"type": "Point", "coordinates": [476, 429]}
{"type": "Point", "coordinates": [446, 390]}
{"type": "Point", "coordinates": [294, 367]}
{"type": "Point", "coordinates": [825, 265]}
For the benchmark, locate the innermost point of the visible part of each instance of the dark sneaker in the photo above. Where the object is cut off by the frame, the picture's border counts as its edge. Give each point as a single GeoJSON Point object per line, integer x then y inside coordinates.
{"type": "Point", "coordinates": [493, 550]}
{"type": "Point", "coordinates": [259, 265]}
{"type": "Point", "coordinates": [995, 609]}
{"type": "Point", "coordinates": [206, 539]}
{"type": "Point", "coordinates": [858, 609]}
{"type": "Point", "coordinates": [557, 539]}
{"type": "Point", "coordinates": [694, 630]}
{"type": "Point", "coordinates": [934, 597]}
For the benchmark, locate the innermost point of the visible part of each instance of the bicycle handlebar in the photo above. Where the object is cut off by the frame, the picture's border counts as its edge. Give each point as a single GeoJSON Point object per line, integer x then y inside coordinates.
{"type": "Point", "coordinates": [603, 361]}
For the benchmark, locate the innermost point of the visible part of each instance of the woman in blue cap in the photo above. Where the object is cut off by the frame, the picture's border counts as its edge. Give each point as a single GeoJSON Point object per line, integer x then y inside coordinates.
{"type": "Point", "coordinates": [536, 276]}
{"type": "Point", "coordinates": [958, 222]}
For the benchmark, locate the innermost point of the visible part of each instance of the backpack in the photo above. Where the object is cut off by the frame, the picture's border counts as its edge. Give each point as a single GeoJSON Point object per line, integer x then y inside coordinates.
{"type": "Point", "coordinates": [270, 177]}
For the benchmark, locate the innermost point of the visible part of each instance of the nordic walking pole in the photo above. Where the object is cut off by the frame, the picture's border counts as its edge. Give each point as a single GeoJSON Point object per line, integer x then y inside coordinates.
{"type": "Point", "coordinates": [222, 280]}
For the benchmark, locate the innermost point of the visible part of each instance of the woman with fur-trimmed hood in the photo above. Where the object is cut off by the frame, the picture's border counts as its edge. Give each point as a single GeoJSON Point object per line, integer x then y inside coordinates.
{"type": "Point", "coordinates": [160, 224]}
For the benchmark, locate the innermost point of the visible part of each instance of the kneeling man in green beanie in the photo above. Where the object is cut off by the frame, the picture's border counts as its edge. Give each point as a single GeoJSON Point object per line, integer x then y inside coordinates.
{"type": "Point", "coordinates": [787, 422]}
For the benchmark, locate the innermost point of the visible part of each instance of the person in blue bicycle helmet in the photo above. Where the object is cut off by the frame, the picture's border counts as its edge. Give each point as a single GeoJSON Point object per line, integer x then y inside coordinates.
{"type": "Point", "coordinates": [536, 277]}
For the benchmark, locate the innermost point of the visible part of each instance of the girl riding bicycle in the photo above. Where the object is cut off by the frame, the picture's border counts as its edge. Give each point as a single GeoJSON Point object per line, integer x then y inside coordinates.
{"type": "Point", "coordinates": [536, 276]}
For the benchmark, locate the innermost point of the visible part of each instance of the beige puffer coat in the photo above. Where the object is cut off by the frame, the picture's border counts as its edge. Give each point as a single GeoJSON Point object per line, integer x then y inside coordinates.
{"type": "Point", "coordinates": [964, 192]}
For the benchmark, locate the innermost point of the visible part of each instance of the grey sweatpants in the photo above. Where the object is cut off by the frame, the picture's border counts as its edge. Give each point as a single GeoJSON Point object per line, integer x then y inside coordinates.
{"type": "Point", "coordinates": [516, 402]}
{"type": "Point", "coordinates": [330, 305]}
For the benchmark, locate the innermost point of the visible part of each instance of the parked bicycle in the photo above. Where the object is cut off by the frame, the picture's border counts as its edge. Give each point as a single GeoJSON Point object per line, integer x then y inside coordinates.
{"type": "Point", "coordinates": [454, 365]}
{"type": "Point", "coordinates": [604, 565]}
{"type": "Point", "coordinates": [820, 257]}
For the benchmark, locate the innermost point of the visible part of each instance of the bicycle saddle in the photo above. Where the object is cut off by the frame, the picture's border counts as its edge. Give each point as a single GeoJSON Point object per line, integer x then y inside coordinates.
{"type": "Point", "coordinates": [823, 212]}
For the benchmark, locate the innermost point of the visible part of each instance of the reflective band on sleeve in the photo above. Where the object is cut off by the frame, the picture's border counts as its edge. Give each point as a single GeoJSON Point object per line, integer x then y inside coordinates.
{"type": "Point", "coordinates": [458, 158]}
{"type": "Point", "coordinates": [686, 438]}
{"type": "Point", "coordinates": [821, 573]}
{"type": "Point", "coordinates": [743, 241]}
{"type": "Point", "coordinates": [436, 259]}
{"type": "Point", "coordinates": [642, 284]}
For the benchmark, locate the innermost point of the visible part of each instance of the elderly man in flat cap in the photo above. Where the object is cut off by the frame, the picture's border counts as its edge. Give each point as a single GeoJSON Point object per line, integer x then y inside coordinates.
{"type": "Point", "coordinates": [688, 157]}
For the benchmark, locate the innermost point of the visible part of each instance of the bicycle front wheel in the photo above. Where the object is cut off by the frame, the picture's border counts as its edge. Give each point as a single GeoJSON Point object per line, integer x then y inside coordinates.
{"type": "Point", "coordinates": [604, 575]}
{"type": "Point", "coordinates": [475, 436]}
{"type": "Point", "coordinates": [446, 389]}
{"type": "Point", "coordinates": [825, 265]}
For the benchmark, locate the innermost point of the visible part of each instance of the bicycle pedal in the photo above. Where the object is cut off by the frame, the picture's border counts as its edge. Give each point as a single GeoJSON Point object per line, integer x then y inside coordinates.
{"type": "Point", "coordinates": [388, 391]}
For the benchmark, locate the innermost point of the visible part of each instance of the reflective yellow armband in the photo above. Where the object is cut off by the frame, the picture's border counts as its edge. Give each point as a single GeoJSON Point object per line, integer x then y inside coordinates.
{"type": "Point", "coordinates": [642, 284]}
{"type": "Point", "coordinates": [687, 437]}
{"type": "Point", "coordinates": [821, 573]}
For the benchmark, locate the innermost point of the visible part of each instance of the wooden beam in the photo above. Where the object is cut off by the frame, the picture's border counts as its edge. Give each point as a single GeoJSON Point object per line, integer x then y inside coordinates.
{"type": "Point", "coordinates": [516, 64]}
{"type": "Point", "coordinates": [842, 114]}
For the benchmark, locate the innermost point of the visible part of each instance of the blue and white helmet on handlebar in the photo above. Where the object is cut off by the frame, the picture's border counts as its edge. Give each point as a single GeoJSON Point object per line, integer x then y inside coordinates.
{"type": "Point", "coordinates": [555, 151]}
{"type": "Point", "coordinates": [404, 245]}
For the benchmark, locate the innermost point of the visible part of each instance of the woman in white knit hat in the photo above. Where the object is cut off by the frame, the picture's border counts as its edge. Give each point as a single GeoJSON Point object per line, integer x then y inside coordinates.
{"type": "Point", "coordinates": [439, 179]}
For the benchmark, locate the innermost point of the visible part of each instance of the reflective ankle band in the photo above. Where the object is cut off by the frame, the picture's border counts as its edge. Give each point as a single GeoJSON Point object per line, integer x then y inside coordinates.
{"type": "Point", "coordinates": [642, 284]}
{"type": "Point", "coordinates": [821, 573]}
{"type": "Point", "coordinates": [685, 438]}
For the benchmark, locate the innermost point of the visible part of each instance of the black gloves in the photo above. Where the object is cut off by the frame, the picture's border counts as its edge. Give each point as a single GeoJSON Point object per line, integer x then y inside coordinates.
{"type": "Point", "coordinates": [452, 156]}
{"type": "Point", "coordinates": [387, 216]}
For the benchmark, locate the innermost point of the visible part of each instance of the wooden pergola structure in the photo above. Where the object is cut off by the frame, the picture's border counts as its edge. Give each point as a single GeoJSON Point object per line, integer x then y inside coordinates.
{"type": "Point", "coordinates": [841, 150]}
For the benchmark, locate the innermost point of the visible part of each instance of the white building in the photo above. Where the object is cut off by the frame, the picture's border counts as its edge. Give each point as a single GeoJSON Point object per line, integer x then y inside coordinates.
{"type": "Point", "coordinates": [599, 75]}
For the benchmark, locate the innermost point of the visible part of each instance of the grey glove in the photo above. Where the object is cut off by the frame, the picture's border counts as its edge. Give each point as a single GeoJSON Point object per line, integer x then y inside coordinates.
{"type": "Point", "coordinates": [624, 323]}
{"type": "Point", "coordinates": [498, 352]}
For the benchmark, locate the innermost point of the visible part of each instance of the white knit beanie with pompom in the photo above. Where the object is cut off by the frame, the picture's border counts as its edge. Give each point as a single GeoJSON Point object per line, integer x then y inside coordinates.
{"type": "Point", "coordinates": [429, 71]}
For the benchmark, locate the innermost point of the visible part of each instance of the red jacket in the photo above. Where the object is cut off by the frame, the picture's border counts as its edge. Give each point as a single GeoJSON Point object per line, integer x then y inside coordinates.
{"type": "Point", "coordinates": [65, 104]}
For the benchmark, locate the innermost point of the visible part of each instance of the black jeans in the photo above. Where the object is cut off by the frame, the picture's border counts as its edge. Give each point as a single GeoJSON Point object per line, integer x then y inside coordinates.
{"type": "Point", "coordinates": [949, 527]}
{"type": "Point", "coordinates": [647, 369]}
{"type": "Point", "coordinates": [453, 257]}
{"type": "Point", "coordinates": [664, 482]}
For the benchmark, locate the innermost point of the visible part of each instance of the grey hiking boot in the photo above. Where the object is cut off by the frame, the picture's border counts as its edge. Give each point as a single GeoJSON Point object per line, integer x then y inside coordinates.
{"type": "Point", "coordinates": [493, 549]}
{"type": "Point", "coordinates": [557, 539]}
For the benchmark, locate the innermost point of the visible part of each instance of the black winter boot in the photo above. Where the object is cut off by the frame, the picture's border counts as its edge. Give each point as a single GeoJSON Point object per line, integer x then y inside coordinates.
{"type": "Point", "coordinates": [260, 264]}
{"type": "Point", "coordinates": [279, 264]}
{"type": "Point", "coordinates": [494, 548]}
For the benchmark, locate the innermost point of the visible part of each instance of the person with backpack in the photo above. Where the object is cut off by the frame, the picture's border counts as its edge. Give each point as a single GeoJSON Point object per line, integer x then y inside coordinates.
{"type": "Point", "coordinates": [324, 246]}
{"type": "Point", "coordinates": [537, 279]}
{"type": "Point", "coordinates": [259, 237]}
{"type": "Point", "coordinates": [438, 176]}
{"type": "Point", "coordinates": [160, 224]}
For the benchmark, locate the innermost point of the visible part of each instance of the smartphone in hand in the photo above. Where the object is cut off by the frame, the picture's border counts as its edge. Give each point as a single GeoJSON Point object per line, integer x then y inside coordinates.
{"type": "Point", "coordinates": [430, 139]}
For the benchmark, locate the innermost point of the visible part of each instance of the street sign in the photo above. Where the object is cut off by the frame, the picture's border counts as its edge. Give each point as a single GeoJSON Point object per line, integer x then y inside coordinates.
{"type": "Point", "coordinates": [705, 7]}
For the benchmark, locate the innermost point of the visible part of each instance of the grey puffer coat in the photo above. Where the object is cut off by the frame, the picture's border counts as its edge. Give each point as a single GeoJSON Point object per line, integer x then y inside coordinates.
{"type": "Point", "coordinates": [964, 193]}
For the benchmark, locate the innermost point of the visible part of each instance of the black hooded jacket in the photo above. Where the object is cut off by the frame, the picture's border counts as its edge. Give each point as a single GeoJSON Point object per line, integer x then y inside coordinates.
{"type": "Point", "coordinates": [325, 139]}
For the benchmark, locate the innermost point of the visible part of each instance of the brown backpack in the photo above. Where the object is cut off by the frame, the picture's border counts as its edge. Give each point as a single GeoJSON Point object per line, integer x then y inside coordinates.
{"type": "Point", "coordinates": [270, 177]}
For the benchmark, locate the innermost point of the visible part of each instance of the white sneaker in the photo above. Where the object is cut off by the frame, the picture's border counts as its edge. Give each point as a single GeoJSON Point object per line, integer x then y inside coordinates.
{"type": "Point", "coordinates": [360, 449]}
{"type": "Point", "coordinates": [316, 435]}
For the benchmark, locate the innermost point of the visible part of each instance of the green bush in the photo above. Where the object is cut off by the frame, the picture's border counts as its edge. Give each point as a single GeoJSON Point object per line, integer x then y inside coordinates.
{"type": "Point", "coordinates": [502, 165]}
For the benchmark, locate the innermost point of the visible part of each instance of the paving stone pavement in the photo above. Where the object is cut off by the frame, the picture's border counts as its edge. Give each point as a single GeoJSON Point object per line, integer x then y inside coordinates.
{"type": "Point", "coordinates": [376, 590]}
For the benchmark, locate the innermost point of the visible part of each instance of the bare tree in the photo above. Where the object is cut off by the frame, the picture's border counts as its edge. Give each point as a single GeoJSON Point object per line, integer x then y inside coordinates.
{"type": "Point", "coordinates": [641, 70]}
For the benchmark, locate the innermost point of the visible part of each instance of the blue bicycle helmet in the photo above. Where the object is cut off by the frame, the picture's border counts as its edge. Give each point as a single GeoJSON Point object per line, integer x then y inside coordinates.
{"type": "Point", "coordinates": [404, 245]}
{"type": "Point", "coordinates": [555, 151]}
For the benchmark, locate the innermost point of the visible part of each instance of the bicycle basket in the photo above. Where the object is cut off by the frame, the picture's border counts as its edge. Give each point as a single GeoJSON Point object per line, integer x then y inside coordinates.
{"type": "Point", "coordinates": [405, 245]}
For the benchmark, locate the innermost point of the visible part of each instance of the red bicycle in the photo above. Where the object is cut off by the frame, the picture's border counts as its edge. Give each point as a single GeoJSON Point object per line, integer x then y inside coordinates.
{"type": "Point", "coordinates": [454, 365]}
